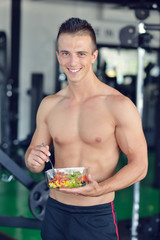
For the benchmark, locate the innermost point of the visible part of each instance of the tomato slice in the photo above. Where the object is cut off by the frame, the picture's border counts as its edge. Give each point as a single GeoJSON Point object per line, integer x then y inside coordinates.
{"type": "Point", "coordinates": [63, 179]}
{"type": "Point", "coordinates": [82, 178]}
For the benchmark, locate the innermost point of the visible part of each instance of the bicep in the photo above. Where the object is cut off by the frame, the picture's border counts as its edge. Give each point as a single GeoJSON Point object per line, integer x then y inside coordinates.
{"type": "Point", "coordinates": [129, 134]}
{"type": "Point", "coordinates": [41, 134]}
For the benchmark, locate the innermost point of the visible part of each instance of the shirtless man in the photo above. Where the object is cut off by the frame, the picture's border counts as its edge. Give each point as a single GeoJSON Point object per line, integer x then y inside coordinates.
{"type": "Point", "coordinates": [88, 123]}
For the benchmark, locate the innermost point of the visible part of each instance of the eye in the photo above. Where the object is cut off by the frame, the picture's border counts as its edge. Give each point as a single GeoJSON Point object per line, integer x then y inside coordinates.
{"type": "Point", "coordinates": [82, 54]}
{"type": "Point", "coordinates": [64, 54]}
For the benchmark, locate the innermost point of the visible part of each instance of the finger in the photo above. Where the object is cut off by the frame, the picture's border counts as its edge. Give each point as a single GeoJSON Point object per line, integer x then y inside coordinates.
{"type": "Point", "coordinates": [34, 163]}
{"type": "Point", "coordinates": [38, 156]}
{"type": "Point", "coordinates": [38, 159]}
{"type": "Point", "coordinates": [41, 153]}
{"type": "Point", "coordinates": [45, 149]}
{"type": "Point", "coordinates": [78, 190]}
{"type": "Point", "coordinates": [68, 190]}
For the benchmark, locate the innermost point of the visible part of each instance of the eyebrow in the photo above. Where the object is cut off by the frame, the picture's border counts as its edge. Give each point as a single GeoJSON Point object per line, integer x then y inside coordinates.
{"type": "Point", "coordinates": [65, 51]}
{"type": "Point", "coordinates": [82, 51]}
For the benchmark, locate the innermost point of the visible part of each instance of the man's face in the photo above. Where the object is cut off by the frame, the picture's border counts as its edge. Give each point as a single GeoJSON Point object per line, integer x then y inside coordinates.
{"type": "Point", "coordinates": [75, 55]}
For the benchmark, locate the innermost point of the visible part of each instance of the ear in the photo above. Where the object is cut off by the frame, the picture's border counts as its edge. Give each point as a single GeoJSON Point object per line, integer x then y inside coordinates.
{"type": "Point", "coordinates": [57, 55]}
{"type": "Point", "coordinates": [95, 54]}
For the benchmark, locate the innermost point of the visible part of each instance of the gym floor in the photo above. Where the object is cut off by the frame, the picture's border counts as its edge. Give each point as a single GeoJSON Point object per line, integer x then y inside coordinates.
{"type": "Point", "coordinates": [14, 202]}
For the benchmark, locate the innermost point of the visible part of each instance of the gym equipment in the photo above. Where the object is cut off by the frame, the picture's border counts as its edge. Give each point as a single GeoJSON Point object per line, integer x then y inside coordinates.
{"type": "Point", "coordinates": [4, 236]}
{"type": "Point", "coordinates": [4, 94]}
{"type": "Point", "coordinates": [157, 142]}
{"type": "Point", "coordinates": [14, 66]}
{"type": "Point", "coordinates": [36, 93]}
{"type": "Point", "coordinates": [140, 83]}
{"type": "Point", "coordinates": [128, 37]}
{"type": "Point", "coordinates": [152, 228]}
{"type": "Point", "coordinates": [37, 199]}
{"type": "Point", "coordinates": [139, 103]}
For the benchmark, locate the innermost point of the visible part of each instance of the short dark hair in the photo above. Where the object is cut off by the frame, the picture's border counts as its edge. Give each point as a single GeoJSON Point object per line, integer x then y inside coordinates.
{"type": "Point", "coordinates": [77, 26]}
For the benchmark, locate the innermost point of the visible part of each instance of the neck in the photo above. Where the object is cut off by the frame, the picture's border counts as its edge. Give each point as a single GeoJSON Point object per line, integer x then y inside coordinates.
{"type": "Point", "coordinates": [83, 89]}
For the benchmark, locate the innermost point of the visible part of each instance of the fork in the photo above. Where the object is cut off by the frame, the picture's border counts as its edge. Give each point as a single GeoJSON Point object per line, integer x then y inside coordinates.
{"type": "Point", "coordinates": [48, 157]}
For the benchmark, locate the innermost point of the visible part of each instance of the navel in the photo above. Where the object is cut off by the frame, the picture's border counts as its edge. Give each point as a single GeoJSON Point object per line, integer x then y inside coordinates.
{"type": "Point", "coordinates": [98, 139]}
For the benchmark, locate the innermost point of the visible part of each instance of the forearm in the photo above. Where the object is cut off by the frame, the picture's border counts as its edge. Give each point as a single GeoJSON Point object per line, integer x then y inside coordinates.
{"type": "Point", "coordinates": [128, 175]}
{"type": "Point", "coordinates": [125, 177]}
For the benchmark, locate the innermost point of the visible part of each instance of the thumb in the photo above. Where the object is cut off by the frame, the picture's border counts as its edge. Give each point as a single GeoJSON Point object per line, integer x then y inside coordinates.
{"type": "Point", "coordinates": [90, 179]}
{"type": "Point", "coordinates": [47, 147]}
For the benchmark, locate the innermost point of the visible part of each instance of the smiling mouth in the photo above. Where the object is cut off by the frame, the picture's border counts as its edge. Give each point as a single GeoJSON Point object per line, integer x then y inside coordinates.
{"type": "Point", "coordinates": [74, 70]}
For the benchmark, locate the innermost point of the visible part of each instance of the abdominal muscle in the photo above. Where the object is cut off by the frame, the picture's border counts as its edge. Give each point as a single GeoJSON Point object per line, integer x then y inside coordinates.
{"type": "Point", "coordinates": [102, 162]}
{"type": "Point", "coordinates": [99, 171]}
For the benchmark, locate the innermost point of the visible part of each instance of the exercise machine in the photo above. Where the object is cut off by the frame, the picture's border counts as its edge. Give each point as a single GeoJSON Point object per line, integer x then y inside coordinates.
{"type": "Point", "coordinates": [37, 198]}
{"type": "Point", "coordinates": [128, 38]}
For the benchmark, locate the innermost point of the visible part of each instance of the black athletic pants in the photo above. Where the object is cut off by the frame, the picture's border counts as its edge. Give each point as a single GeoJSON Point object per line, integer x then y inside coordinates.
{"type": "Point", "coordinates": [67, 222]}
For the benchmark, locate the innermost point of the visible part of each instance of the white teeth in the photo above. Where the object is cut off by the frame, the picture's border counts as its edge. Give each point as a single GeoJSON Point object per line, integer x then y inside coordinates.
{"type": "Point", "coordinates": [74, 70]}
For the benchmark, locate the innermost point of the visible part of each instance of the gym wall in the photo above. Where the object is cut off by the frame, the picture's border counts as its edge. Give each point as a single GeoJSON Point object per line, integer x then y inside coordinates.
{"type": "Point", "coordinates": [39, 24]}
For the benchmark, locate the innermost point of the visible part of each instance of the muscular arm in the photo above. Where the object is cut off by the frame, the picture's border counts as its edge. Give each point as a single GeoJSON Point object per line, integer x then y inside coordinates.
{"type": "Point", "coordinates": [131, 140]}
{"type": "Point", "coordinates": [36, 155]}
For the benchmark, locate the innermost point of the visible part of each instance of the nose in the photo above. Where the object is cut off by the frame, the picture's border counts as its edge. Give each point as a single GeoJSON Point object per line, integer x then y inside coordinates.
{"type": "Point", "coordinates": [73, 60]}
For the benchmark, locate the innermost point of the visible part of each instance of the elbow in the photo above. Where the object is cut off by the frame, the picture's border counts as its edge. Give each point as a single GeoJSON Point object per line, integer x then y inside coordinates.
{"type": "Point", "coordinates": [143, 173]}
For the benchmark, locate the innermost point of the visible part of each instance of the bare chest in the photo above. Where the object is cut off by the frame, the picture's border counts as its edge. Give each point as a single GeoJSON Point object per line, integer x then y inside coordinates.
{"type": "Point", "coordinates": [89, 123]}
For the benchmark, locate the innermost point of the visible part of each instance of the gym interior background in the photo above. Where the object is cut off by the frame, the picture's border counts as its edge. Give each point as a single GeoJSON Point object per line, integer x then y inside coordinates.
{"type": "Point", "coordinates": [128, 36]}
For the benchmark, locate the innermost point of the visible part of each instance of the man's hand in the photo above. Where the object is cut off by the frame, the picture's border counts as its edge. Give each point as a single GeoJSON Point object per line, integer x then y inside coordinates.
{"type": "Point", "coordinates": [92, 189]}
{"type": "Point", "coordinates": [37, 157]}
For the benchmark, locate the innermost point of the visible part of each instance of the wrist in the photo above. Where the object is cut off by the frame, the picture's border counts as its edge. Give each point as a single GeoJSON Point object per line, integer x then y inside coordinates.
{"type": "Point", "coordinates": [105, 187]}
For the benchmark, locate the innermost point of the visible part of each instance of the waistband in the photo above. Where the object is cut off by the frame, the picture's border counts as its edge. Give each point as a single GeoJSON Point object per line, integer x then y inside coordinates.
{"type": "Point", "coordinates": [105, 208]}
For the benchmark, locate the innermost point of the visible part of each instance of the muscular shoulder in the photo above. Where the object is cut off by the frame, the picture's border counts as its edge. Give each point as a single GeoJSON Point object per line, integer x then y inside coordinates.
{"type": "Point", "coordinates": [124, 111]}
{"type": "Point", "coordinates": [52, 100]}
{"type": "Point", "coordinates": [121, 107]}
{"type": "Point", "coordinates": [48, 103]}
{"type": "Point", "coordinates": [117, 100]}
